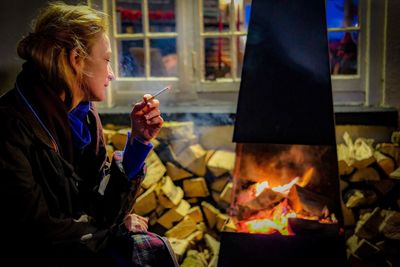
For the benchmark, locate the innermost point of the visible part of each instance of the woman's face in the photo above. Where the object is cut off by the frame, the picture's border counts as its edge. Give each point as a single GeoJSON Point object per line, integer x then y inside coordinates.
{"type": "Point", "coordinates": [98, 72]}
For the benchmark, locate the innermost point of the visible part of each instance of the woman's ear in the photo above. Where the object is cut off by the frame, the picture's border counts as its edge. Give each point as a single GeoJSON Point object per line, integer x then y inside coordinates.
{"type": "Point", "coordinates": [76, 60]}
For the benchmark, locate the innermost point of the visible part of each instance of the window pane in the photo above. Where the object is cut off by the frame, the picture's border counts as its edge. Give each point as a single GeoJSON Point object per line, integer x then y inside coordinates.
{"type": "Point", "coordinates": [131, 58]}
{"type": "Point", "coordinates": [217, 58]}
{"type": "Point", "coordinates": [162, 15]}
{"type": "Point", "coordinates": [241, 45]}
{"type": "Point", "coordinates": [216, 15]}
{"type": "Point", "coordinates": [242, 15]}
{"type": "Point", "coordinates": [343, 52]}
{"type": "Point", "coordinates": [342, 13]}
{"type": "Point", "coordinates": [163, 56]}
{"type": "Point", "coordinates": [129, 16]}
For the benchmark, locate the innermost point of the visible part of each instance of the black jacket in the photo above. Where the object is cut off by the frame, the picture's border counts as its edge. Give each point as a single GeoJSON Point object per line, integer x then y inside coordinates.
{"type": "Point", "coordinates": [46, 185]}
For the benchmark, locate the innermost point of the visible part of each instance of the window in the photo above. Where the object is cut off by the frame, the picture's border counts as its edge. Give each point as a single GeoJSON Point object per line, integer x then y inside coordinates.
{"type": "Point", "coordinates": [197, 46]}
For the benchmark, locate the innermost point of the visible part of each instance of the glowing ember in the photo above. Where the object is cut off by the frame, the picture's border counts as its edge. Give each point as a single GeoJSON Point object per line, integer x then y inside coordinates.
{"type": "Point", "coordinates": [269, 221]}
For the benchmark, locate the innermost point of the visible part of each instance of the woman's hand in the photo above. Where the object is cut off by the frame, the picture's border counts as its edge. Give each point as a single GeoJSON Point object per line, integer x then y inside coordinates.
{"type": "Point", "coordinates": [136, 223]}
{"type": "Point", "coordinates": [146, 120]}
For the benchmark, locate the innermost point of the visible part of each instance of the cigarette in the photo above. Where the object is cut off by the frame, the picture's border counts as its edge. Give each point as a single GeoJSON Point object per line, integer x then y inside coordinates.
{"type": "Point", "coordinates": [159, 92]}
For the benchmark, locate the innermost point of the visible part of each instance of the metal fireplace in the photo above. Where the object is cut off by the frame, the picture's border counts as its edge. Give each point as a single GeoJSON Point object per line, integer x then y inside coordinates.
{"type": "Point", "coordinates": [285, 201]}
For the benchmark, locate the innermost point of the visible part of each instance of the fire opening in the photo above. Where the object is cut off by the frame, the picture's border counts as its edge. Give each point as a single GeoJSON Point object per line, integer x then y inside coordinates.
{"type": "Point", "coordinates": [285, 189]}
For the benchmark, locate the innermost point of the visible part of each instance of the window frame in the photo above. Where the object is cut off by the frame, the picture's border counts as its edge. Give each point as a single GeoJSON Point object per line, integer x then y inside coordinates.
{"type": "Point", "coordinates": [362, 89]}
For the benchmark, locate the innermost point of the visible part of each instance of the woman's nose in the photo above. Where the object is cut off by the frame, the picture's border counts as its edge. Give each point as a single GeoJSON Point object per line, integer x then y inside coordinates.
{"type": "Point", "coordinates": [110, 74]}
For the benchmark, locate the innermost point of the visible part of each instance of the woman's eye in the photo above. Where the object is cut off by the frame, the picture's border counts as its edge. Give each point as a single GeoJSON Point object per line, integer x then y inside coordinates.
{"type": "Point", "coordinates": [108, 60]}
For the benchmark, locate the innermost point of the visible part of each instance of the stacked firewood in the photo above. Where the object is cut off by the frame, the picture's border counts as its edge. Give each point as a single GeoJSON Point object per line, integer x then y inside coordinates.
{"type": "Point", "coordinates": [187, 187]}
{"type": "Point", "coordinates": [370, 187]}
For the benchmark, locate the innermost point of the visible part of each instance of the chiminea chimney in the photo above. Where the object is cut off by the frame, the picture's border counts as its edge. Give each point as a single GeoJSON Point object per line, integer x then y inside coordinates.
{"type": "Point", "coordinates": [286, 157]}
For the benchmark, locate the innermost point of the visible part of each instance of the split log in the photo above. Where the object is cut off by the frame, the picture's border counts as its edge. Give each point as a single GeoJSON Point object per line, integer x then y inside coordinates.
{"type": "Point", "coordinates": [155, 170]}
{"type": "Point", "coordinates": [387, 164]}
{"type": "Point", "coordinates": [211, 213]}
{"type": "Point", "coordinates": [368, 225]}
{"type": "Point", "coordinates": [345, 159]}
{"type": "Point", "coordinates": [179, 246]}
{"type": "Point", "coordinates": [365, 174]}
{"type": "Point", "coordinates": [218, 184]}
{"type": "Point", "coordinates": [361, 248]}
{"type": "Point", "coordinates": [363, 153]}
{"type": "Point", "coordinates": [146, 202]}
{"type": "Point", "coordinates": [217, 137]}
{"type": "Point", "coordinates": [265, 200]}
{"type": "Point", "coordinates": [177, 173]}
{"type": "Point", "coordinates": [183, 229]}
{"type": "Point", "coordinates": [173, 130]}
{"type": "Point", "coordinates": [390, 150]}
{"type": "Point", "coordinates": [195, 214]}
{"type": "Point", "coordinates": [226, 193]}
{"type": "Point", "coordinates": [395, 174]}
{"type": "Point", "coordinates": [193, 159]}
{"type": "Point", "coordinates": [221, 162]}
{"type": "Point", "coordinates": [195, 187]}
{"type": "Point", "coordinates": [178, 145]}
{"type": "Point", "coordinates": [169, 195]}
{"type": "Point", "coordinates": [390, 227]}
{"type": "Point", "coordinates": [356, 197]}
{"type": "Point", "coordinates": [119, 138]}
{"type": "Point", "coordinates": [174, 215]}
{"type": "Point", "coordinates": [194, 259]}
{"type": "Point", "coordinates": [212, 244]}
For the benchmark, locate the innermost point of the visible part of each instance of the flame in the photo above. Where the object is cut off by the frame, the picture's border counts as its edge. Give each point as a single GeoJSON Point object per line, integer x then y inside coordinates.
{"type": "Point", "coordinates": [277, 219]}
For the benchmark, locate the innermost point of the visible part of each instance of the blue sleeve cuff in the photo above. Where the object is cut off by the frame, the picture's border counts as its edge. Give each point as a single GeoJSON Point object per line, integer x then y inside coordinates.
{"type": "Point", "coordinates": [134, 156]}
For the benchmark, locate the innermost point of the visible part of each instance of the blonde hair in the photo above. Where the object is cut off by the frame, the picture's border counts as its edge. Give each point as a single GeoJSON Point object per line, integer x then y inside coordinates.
{"type": "Point", "coordinates": [58, 29]}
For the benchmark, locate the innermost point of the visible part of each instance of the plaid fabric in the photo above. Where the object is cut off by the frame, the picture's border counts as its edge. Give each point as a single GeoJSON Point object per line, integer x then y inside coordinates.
{"type": "Point", "coordinates": [147, 248]}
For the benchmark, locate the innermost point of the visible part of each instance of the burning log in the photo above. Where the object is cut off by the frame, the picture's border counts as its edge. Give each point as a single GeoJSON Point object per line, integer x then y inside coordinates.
{"type": "Point", "coordinates": [267, 199]}
{"type": "Point", "coordinates": [311, 227]}
{"type": "Point", "coordinates": [306, 202]}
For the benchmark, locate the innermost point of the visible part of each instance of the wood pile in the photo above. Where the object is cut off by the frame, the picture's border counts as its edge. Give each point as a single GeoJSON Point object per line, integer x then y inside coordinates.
{"type": "Point", "coordinates": [370, 187]}
{"type": "Point", "coordinates": [187, 187]}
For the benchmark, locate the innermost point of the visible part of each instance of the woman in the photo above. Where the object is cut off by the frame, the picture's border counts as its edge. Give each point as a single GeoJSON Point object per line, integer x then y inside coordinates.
{"type": "Point", "coordinates": [63, 204]}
